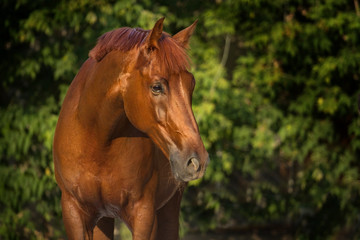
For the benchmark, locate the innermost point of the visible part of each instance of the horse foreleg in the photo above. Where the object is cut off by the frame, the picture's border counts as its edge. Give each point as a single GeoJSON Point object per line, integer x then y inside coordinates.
{"type": "Point", "coordinates": [168, 219]}
{"type": "Point", "coordinates": [104, 229]}
{"type": "Point", "coordinates": [144, 225]}
{"type": "Point", "coordinates": [78, 225]}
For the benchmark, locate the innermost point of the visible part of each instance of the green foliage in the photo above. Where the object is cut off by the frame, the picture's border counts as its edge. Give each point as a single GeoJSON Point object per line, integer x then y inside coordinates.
{"type": "Point", "coordinates": [275, 100]}
{"type": "Point", "coordinates": [29, 197]}
{"type": "Point", "coordinates": [284, 147]}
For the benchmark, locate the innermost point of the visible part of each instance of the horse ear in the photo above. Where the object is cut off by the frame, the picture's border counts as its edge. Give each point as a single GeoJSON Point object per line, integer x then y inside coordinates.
{"type": "Point", "coordinates": [155, 34]}
{"type": "Point", "coordinates": [184, 35]}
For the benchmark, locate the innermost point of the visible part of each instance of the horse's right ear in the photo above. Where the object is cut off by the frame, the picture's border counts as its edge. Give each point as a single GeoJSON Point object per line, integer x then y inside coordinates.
{"type": "Point", "coordinates": [154, 35]}
{"type": "Point", "coordinates": [183, 36]}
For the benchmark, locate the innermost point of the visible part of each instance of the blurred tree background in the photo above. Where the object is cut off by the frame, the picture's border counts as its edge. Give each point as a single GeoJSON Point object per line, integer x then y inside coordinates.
{"type": "Point", "coordinates": [277, 83]}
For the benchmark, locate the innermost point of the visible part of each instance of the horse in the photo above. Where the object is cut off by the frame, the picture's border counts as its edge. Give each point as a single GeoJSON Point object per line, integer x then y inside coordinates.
{"type": "Point", "coordinates": [126, 142]}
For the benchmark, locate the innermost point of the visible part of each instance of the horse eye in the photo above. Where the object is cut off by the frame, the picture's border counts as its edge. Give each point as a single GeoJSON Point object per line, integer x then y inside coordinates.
{"type": "Point", "coordinates": [157, 89]}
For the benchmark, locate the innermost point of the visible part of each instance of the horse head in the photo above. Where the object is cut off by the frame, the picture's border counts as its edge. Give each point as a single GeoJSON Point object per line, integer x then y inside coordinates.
{"type": "Point", "coordinates": [157, 96]}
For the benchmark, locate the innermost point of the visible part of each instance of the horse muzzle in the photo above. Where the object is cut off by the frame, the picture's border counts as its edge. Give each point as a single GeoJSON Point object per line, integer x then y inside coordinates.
{"type": "Point", "coordinates": [189, 169]}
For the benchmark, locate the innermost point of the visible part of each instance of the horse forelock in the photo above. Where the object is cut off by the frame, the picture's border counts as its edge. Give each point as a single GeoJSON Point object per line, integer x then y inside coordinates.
{"type": "Point", "coordinates": [171, 56]}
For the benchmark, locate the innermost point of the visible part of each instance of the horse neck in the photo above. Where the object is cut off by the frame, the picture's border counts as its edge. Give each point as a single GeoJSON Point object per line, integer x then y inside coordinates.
{"type": "Point", "coordinates": [101, 110]}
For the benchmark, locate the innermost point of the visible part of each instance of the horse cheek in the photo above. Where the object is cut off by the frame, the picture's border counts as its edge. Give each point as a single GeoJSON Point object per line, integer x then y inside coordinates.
{"type": "Point", "coordinates": [161, 113]}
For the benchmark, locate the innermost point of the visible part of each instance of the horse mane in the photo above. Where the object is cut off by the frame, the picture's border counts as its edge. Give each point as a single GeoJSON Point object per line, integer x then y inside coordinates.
{"type": "Point", "coordinates": [170, 55]}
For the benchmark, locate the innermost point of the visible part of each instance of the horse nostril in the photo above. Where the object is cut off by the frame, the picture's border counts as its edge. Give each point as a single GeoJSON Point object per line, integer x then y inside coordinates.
{"type": "Point", "coordinates": [193, 165]}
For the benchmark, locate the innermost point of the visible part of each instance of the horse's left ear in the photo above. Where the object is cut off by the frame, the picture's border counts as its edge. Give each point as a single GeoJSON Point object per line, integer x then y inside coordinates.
{"type": "Point", "coordinates": [183, 36]}
{"type": "Point", "coordinates": [155, 34]}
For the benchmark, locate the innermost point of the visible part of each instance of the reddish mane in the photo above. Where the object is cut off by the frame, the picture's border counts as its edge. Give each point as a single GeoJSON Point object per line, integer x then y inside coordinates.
{"type": "Point", "coordinates": [171, 54]}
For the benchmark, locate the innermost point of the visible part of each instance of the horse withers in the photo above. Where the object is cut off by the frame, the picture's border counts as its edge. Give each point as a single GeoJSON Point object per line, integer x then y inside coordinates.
{"type": "Point", "coordinates": [126, 142]}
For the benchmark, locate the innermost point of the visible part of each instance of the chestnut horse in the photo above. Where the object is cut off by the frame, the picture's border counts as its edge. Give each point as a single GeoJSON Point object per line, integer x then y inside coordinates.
{"type": "Point", "coordinates": [126, 142]}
